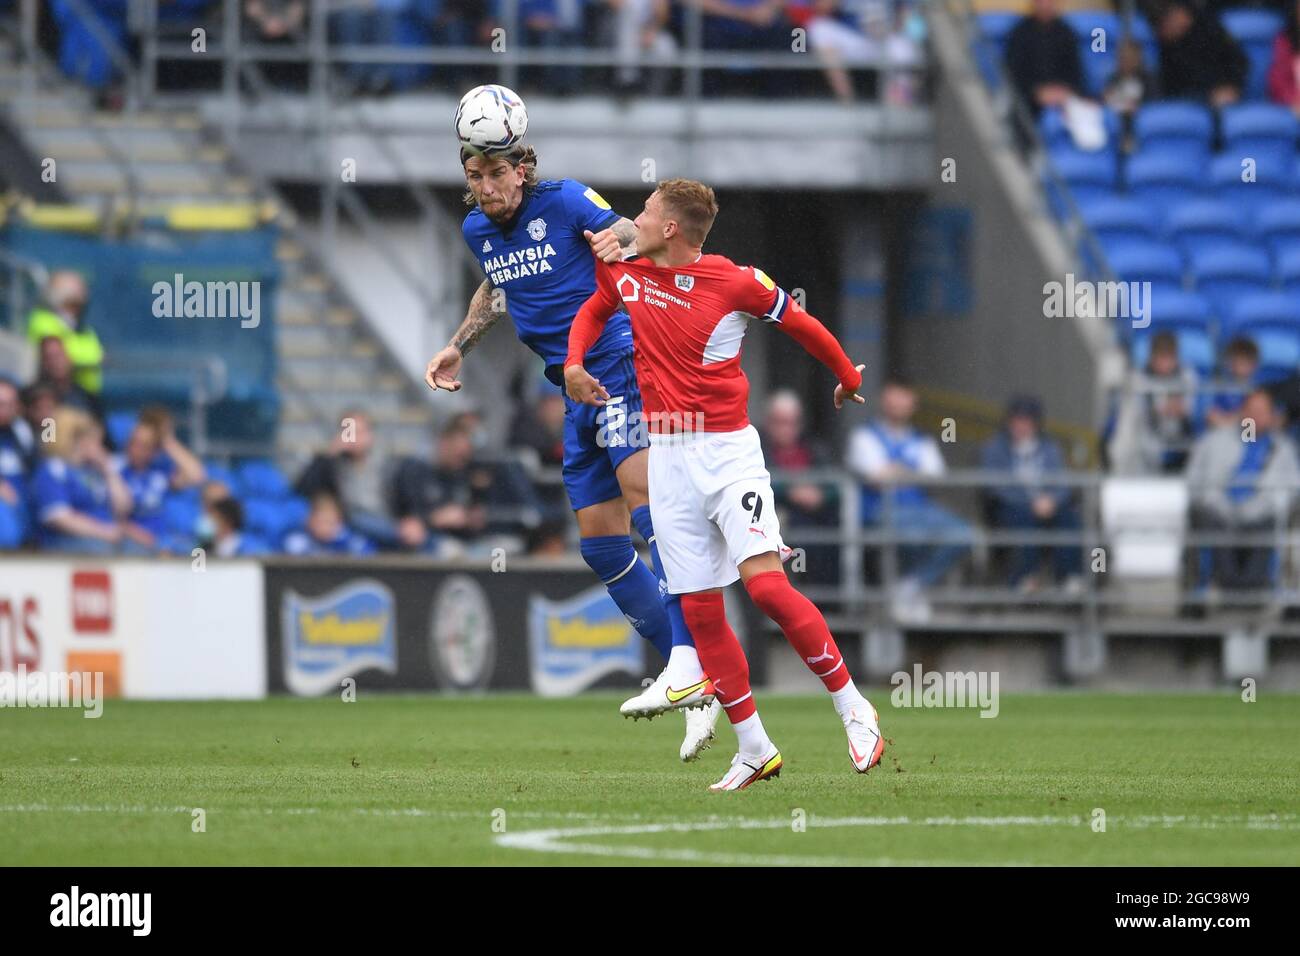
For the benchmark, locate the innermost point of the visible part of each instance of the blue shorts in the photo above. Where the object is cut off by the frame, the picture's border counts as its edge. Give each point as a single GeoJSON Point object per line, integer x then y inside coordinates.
{"type": "Point", "coordinates": [598, 440]}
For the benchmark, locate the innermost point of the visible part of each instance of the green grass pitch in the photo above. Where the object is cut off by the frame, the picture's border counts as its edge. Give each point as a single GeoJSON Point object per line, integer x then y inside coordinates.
{"type": "Point", "coordinates": [1182, 779]}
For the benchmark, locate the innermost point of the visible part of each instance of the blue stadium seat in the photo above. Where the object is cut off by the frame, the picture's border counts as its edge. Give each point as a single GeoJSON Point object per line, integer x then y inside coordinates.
{"type": "Point", "coordinates": [217, 471]}
{"type": "Point", "coordinates": [1288, 270]}
{"type": "Point", "coordinates": [1195, 349]}
{"type": "Point", "coordinates": [1204, 223]}
{"type": "Point", "coordinates": [1255, 30]}
{"type": "Point", "coordinates": [1181, 311]}
{"type": "Point", "coordinates": [119, 425]}
{"type": "Point", "coordinates": [1250, 129]}
{"type": "Point", "coordinates": [1118, 218]}
{"type": "Point", "coordinates": [1272, 172]}
{"type": "Point", "coordinates": [258, 478]}
{"type": "Point", "coordinates": [1098, 65]}
{"type": "Point", "coordinates": [181, 510]}
{"type": "Point", "coordinates": [272, 519]}
{"type": "Point", "coordinates": [997, 26]}
{"type": "Point", "coordinates": [1089, 176]}
{"type": "Point", "coordinates": [991, 43]}
{"type": "Point", "coordinates": [1175, 124]}
{"type": "Point", "coordinates": [1165, 178]}
{"type": "Point", "coordinates": [1229, 271]}
{"type": "Point", "coordinates": [1272, 320]}
{"type": "Point", "coordinates": [1278, 224]}
{"type": "Point", "coordinates": [1149, 261]}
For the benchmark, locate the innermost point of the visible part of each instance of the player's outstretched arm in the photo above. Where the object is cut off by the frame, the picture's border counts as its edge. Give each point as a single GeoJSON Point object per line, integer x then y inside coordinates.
{"type": "Point", "coordinates": [614, 243]}
{"type": "Point", "coordinates": [445, 366]}
{"type": "Point", "coordinates": [818, 342]}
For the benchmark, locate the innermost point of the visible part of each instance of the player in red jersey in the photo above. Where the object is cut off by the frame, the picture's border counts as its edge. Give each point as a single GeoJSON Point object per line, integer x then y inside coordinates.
{"type": "Point", "coordinates": [710, 491]}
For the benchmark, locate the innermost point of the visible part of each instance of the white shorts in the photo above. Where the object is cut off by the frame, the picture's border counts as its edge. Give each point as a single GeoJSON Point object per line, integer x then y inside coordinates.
{"type": "Point", "coordinates": [711, 502]}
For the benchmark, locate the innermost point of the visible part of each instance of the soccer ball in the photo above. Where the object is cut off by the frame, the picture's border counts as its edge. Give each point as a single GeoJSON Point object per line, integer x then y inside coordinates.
{"type": "Point", "coordinates": [490, 119]}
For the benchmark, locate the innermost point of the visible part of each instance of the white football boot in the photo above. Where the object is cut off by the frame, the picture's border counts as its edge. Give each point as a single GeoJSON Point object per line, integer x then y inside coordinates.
{"type": "Point", "coordinates": [660, 697]}
{"type": "Point", "coordinates": [745, 770]}
{"type": "Point", "coordinates": [866, 745]}
{"type": "Point", "coordinates": [700, 724]}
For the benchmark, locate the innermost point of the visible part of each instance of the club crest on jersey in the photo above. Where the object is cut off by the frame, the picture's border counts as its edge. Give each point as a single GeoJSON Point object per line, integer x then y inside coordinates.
{"type": "Point", "coordinates": [487, 245]}
{"type": "Point", "coordinates": [685, 283]}
{"type": "Point", "coordinates": [537, 230]}
{"type": "Point", "coordinates": [629, 289]}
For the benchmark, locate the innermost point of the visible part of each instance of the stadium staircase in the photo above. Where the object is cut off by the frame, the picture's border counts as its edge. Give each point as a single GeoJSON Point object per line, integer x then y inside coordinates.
{"type": "Point", "coordinates": [138, 161]}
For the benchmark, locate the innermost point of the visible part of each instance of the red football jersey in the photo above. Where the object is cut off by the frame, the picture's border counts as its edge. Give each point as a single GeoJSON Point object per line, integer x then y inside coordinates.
{"type": "Point", "coordinates": [687, 326]}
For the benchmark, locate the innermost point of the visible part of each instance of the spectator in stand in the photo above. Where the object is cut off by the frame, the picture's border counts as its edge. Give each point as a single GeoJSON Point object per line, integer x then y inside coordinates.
{"type": "Point", "coordinates": [78, 499]}
{"type": "Point", "coordinates": [40, 403]}
{"type": "Point", "coordinates": [1284, 71]}
{"type": "Point", "coordinates": [886, 455]}
{"type": "Point", "coordinates": [538, 426]}
{"type": "Point", "coordinates": [226, 537]}
{"type": "Point", "coordinates": [17, 461]}
{"type": "Point", "coordinates": [855, 33]}
{"type": "Point", "coordinates": [1156, 414]}
{"type": "Point", "coordinates": [353, 473]}
{"type": "Point", "coordinates": [635, 29]}
{"type": "Point", "coordinates": [1244, 479]}
{"type": "Point", "coordinates": [803, 504]}
{"type": "Point", "coordinates": [154, 463]}
{"type": "Point", "coordinates": [326, 532]}
{"type": "Point", "coordinates": [1198, 58]}
{"type": "Point", "coordinates": [1021, 451]}
{"type": "Point", "coordinates": [437, 503]}
{"type": "Point", "coordinates": [744, 25]}
{"type": "Point", "coordinates": [383, 23]}
{"type": "Point", "coordinates": [64, 317]}
{"type": "Point", "coordinates": [1042, 56]}
{"type": "Point", "coordinates": [55, 371]}
{"type": "Point", "coordinates": [550, 25]}
{"type": "Point", "coordinates": [1131, 84]}
{"type": "Point", "coordinates": [84, 51]}
{"type": "Point", "coordinates": [279, 23]}
{"type": "Point", "coordinates": [1241, 360]}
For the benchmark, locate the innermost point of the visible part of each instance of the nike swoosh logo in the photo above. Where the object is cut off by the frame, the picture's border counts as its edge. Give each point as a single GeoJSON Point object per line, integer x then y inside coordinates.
{"type": "Point", "coordinates": [675, 695]}
{"type": "Point", "coordinates": [857, 757]}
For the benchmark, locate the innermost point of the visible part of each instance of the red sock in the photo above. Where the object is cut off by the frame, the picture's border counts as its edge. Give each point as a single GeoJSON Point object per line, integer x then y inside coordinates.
{"type": "Point", "coordinates": [720, 653]}
{"type": "Point", "coordinates": [803, 624]}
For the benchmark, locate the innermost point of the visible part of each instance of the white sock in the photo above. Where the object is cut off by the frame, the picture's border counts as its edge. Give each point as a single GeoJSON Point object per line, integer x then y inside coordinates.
{"type": "Point", "coordinates": [684, 666]}
{"type": "Point", "coordinates": [847, 697]}
{"type": "Point", "coordinates": [753, 738]}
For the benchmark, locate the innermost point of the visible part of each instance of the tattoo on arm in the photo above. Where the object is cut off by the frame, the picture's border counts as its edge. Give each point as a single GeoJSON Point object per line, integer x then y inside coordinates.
{"type": "Point", "coordinates": [625, 230]}
{"type": "Point", "coordinates": [478, 320]}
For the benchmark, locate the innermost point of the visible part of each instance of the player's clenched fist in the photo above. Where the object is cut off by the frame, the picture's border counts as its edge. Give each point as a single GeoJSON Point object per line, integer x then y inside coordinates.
{"type": "Point", "coordinates": [442, 370]}
{"type": "Point", "coordinates": [604, 245]}
{"type": "Point", "coordinates": [581, 387]}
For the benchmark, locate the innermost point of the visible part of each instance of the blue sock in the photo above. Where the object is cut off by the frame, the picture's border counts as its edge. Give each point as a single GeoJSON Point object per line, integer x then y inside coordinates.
{"type": "Point", "coordinates": [673, 602]}
{"type": "Point", "coordinates": [632, 585]}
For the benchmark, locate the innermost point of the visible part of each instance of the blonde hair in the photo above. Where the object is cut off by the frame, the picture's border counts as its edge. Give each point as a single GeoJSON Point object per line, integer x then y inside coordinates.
{"type": "Point", "coordinates": [70, 426]}
{"type": "Point", "coordinates": [693, 206]}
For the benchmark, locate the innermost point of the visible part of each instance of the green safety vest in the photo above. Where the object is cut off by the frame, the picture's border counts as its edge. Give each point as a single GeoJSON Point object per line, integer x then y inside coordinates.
{"type": "Point", "coordinates": [84, 349]}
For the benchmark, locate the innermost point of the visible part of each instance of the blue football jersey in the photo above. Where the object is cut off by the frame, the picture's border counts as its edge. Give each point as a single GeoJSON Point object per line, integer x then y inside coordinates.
{"type": "Point", "coordinates": [544, 264]}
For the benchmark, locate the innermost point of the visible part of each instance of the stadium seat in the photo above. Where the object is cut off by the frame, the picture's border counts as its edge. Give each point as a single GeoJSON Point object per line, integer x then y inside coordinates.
{"type": "Point", "coordinates": [1288, 270]}
{"type": "Point", "coordinates": [1229, 271]}
{"type": "Point", "coordinates": [1181, 311]}
{"type": "Point", "coordinates": [217, 471]}
{"type": "Point", "coordinates": [1149, 261]}
{"type": "Point", "coordinates": [1098, 65]}
{"type": "Point", "coordinates": [1165, 178]}
{"type": "Point", "coordinates": [1056, 135]}
{"type": "Point", "coordinates": [1272, 320]}
{"type": "Point", "coordinates": [1271, 183]}
{"type": "Point", "coordinates": [991, 43]}
{"type": "Point", "coordinates": [1278, 225]}
{"type": "Point", "coordinates": [181, 510]}
{"type": "Point", "coordinates": [1255, 30]}
{"type": "Point", "coordinates": [1195, 349]}
{"type": "Point", "coordinates": [1203, 224]}
{"type": "Point", "coordinates": [1118, 218]}
{"type": "Point", "coordinates": [261, 479]}
{"type": "Point", "coordinates": [273, 519]}
{"type": "Point", "coordinates": [119, 425]}
{"type": "Point", "coordinates": [1176, 125]}
{"type": "Point", "coordinates": [1089, 176]}
{"type": "Point", "coordinates": [1250, 129]}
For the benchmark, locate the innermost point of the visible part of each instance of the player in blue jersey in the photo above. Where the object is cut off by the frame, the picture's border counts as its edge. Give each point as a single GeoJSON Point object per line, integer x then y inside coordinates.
{"type": "Point", "coordinates": [534, 240]}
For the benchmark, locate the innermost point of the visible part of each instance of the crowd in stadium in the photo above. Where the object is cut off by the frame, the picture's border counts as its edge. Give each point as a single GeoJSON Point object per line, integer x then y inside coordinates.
{"type": "Point", "coordinates": [842, 32]}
